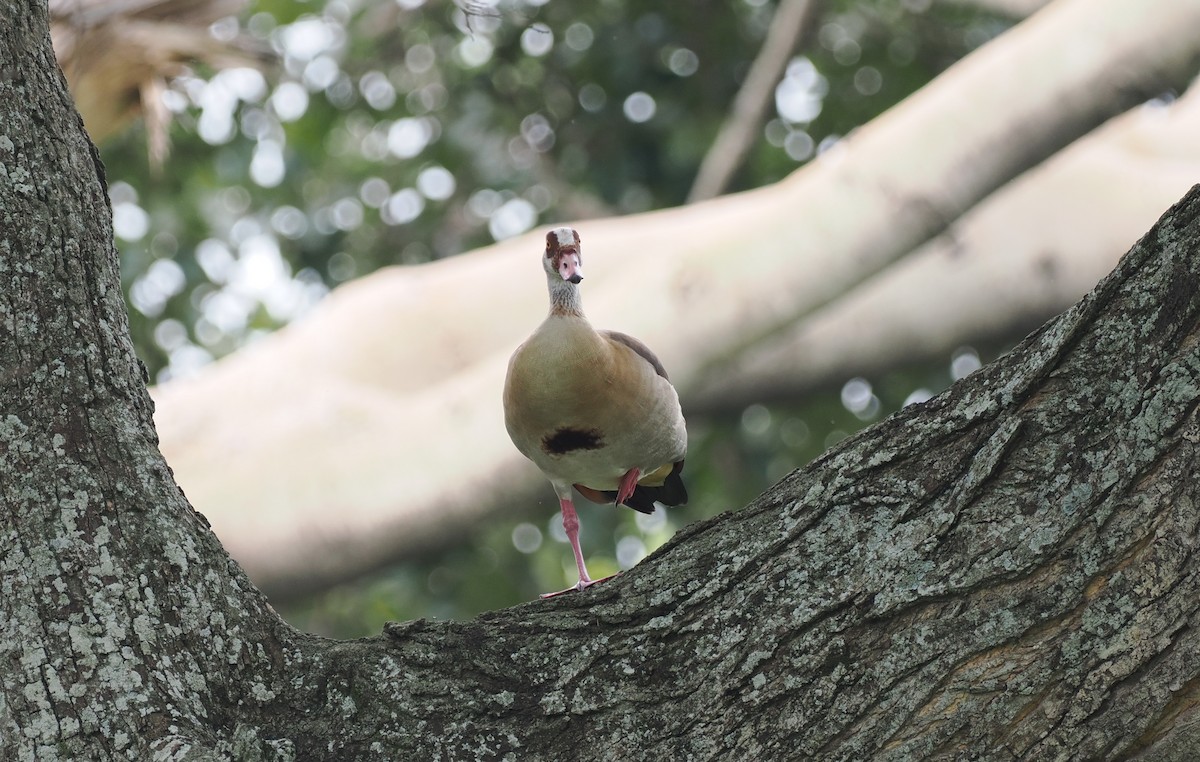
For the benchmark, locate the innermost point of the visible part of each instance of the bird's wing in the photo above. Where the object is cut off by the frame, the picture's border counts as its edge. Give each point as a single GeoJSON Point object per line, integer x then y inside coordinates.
{"type": "Point", "coordinates": [638, 347]}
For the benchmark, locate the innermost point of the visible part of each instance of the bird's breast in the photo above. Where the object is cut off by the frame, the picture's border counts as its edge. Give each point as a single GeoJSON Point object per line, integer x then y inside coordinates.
{"type": "Point", "coordinates": [583, 409]}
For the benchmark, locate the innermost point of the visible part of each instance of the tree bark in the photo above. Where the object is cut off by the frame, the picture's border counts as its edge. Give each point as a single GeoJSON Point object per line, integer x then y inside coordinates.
{"type": "Point", "coordinates": [1005, 572]}
{"type": "Point", "coordinates": [324, 489]}
{"type": "Point", "coordinates": [125, 630]}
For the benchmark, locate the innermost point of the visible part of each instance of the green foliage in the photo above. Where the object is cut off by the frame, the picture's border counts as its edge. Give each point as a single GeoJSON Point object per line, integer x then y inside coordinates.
{"type": "Point", "coordinates": [399, 132]}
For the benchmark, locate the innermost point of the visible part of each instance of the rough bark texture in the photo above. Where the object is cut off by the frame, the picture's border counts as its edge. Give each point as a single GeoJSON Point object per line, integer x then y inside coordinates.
{"type": "Point", "coordinates": [1005, 572]}
{"type": "Point", "coordinates": [124, 626]}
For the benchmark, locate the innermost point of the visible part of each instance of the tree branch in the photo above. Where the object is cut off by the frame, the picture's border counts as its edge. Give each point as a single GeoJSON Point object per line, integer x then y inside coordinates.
{"type": "Point", "coordinates": [741, 128]}
{"type": "Point", "coordinates": [1023, 255]}
{"type": "Point", "coordinates": [1008, 570]}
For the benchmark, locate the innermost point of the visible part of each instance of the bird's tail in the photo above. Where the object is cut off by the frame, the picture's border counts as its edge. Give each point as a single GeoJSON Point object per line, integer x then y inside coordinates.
{"type": "Point", "coordinates": [670, 492]}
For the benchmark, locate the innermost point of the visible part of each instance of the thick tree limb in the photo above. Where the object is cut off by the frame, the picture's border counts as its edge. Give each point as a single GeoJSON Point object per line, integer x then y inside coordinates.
{"type": "Point", "coordinates": [1006, 571]}
{"type": "Point", "coordinates": [338, 448]}
{"type": "Point", "coordinates": [1024, 254]}
{"type": "Point", "coordinates": [119, 611]}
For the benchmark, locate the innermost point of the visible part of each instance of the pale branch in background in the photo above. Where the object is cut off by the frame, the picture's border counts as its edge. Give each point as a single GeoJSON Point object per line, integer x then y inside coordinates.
{"type": "Point", "coordinates": [743, 125]}
{"type": "Point", "coordinates": [1024, 254]}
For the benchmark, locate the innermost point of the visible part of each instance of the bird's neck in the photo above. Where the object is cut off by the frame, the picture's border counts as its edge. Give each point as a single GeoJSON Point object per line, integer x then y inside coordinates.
{"type": "Point", "coordinates": [564, 298]}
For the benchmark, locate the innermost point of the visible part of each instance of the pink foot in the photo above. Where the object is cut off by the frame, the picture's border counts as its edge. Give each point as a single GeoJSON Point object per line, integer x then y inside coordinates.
{"type": "Point", "coordinates": [627, 485]}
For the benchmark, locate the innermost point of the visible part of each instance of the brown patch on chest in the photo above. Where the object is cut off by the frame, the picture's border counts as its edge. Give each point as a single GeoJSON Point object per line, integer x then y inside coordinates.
{"type": "Point", "coordinates": [567, 440]}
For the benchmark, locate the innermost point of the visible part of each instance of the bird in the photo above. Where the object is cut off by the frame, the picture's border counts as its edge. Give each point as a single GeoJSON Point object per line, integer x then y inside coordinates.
{"type": "Point", "coordinates": [594, 410]}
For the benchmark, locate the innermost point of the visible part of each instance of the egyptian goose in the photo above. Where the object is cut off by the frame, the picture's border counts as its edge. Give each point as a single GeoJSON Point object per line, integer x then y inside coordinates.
{"type": "Point", "coordinates": [592, 409]}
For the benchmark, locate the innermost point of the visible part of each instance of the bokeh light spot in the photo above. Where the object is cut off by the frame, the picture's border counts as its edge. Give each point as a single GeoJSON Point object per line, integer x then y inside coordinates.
{"type": "Point", "coordinates": [377, 90]}
{"type": "Point", "coordinates": [474, 52]}
{"type": "Point", "coordinates": [683, 62]}
{"type": "Point", "coordinates": [799, 145]}
{"type": "Point", "coordinates": [917, 396]}
{"type": "Point", "coordinates": [579, 36]}
{"type": "Point", "coordinates": [215, 259]}
{"type": "Point", "coordinates": [514, 217]}
{"type": "Point", "coordinates": [162, 280]}
{"type": "Point", "coordinates": [847, 52]}
{"type": "Point", "coordinates": [651, 522]}
{"type": "Point", "coordinates": [799, 96]}
{"type": "Point", "coordinates": [420, 58]}
{"type": "Point", "coordinates": [289, 101]}
{"type": "Point", "coordinates": [342, 266]}
{"type": "Point", "coordinates": [859, 398]}
{"type": "Point", "coordinates": [267, 165]}
{"type": "Point", "coordinates": [130, 221]}
{"type": "Point", "coordinates": [347, 213]}
{"type": "Point", "coordinates": [289, 222]}
{"type": "Point", "coordinates": [306, 38]}
{"type": "Point", "coordinates": [537, 132]}
{"type": "Point", "coordinates": [630, 550]}
{"type": "Point", "coordinates": [374, 192]}
{"type": "Point", "coordinates": [592, 97]}
{"type": "Point", "coordinates": [756, 420]}
{"type": "Point", "coordinates": [794, 432]}
{"type": "Point", "coordinates": [526, 537]}
{"type": "Point", "coordinates": [436, 183]}
{"type": "Point", "coordinates": [868, 80]}
{"type": "Point", "coordinates": [964, 362]}
{"type": "Point", "coordinates": [404, 206]}
{"type": "Point", "coordinates": [639, 107]}
{"type": "Point", "coordinates": [321, 72]}
{"type": "Point", "coordinates": [408, 137]}
{"type": "Point", "coordinates": [537, 40]}
{"type": "Point", "coordinates": [170, 334]}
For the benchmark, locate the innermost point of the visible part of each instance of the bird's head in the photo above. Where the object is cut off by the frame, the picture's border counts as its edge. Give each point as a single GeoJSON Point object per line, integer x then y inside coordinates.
{"type": "Point", "coordinates": [563, 258]}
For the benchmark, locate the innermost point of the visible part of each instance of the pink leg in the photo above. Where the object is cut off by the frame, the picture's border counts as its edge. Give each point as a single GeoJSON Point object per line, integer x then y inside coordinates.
{"type": "Point", "coordinates": [571, 525]}
{"type": "Point", "coordinates": [627, 485]}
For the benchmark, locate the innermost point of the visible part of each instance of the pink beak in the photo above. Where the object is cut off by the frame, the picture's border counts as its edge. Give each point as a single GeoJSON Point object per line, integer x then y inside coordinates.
{"type": "Point", "coordinates": [569, 267]}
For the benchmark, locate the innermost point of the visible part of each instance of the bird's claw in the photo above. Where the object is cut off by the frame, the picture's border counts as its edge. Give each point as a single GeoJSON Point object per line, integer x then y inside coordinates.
{"type": "Point", "coordinates": [582, 584]}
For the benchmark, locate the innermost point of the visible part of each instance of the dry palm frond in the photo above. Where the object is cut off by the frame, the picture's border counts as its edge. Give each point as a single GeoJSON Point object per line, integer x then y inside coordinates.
{"type": "Point", "coordinates": [119, 55]}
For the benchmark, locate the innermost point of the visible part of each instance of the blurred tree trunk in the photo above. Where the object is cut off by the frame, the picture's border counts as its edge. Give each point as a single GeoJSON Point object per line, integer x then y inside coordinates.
{"type": "Point", "coordinates": [1008, 571]}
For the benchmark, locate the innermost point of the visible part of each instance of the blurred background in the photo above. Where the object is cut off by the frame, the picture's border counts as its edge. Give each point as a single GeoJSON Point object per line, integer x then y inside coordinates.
{"type": "Point", "coordinates": [262, 154]}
